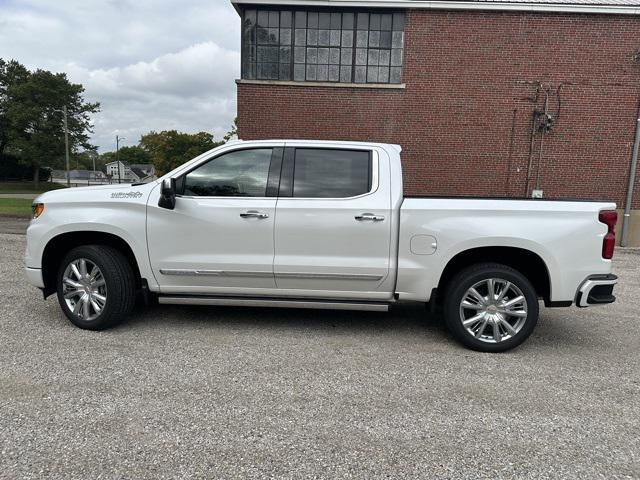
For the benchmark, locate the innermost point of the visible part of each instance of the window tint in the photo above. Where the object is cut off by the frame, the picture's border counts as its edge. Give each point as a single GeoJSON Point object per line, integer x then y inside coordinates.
{"type": "Point", "coordinates": [331, 173]}
{"type": "Point", "coordinates": [241, 173]}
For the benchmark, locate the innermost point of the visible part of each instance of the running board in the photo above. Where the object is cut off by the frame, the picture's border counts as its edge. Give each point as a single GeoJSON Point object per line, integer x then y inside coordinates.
{"type": "Point", "coordinates": [272, 302]}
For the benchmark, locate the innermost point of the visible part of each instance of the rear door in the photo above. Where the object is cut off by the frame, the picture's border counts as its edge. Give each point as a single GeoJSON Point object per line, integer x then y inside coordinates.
{"type": "Point", "coordinates": [333, 223]}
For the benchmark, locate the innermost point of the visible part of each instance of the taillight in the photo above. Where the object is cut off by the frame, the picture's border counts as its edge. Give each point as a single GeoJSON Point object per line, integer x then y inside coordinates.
{"type": "Point", "coordinates": [609, 218]}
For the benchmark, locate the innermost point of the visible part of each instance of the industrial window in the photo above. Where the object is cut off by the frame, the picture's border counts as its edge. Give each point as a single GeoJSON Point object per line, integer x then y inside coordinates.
{"type": "Point", "coordinates": [321, 46]}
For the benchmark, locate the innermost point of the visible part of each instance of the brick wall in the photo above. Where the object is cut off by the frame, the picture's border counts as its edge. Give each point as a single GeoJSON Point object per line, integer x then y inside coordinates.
{"type": "Point", "coordinates": [464, 118]}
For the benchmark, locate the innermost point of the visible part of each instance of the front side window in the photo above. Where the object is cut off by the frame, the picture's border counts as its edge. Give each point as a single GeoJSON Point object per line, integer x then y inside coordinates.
{"type": "Point", "coordinates": [242, 173]}
{"type": "Point", "coordinates": [320, 173]}
{"type": "Point", "coordinates": [346, 46]}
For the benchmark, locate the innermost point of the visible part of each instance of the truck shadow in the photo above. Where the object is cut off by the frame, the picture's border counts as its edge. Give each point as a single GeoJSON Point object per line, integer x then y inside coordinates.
{"type": "Point", "coordinates": [401, 319]}
{"type": "Point", "coordinates": [404, 320]}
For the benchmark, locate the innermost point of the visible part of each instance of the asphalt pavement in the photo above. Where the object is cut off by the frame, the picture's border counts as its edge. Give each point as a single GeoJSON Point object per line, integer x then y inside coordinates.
{"type": "Point", "coordinates": [198, 392]}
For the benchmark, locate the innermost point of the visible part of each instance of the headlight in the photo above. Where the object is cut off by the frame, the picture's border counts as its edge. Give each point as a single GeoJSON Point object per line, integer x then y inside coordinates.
{"type": "Point", "coordinates": [37, 209]}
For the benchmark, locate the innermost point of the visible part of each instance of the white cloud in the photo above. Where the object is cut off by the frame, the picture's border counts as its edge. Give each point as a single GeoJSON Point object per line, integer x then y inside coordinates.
{"type": "Point", "coordinates": [151, 64]}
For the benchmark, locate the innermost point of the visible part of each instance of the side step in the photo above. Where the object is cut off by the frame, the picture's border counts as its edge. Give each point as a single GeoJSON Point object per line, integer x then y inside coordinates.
{"type": "Point", "coordinates": [274, 302]}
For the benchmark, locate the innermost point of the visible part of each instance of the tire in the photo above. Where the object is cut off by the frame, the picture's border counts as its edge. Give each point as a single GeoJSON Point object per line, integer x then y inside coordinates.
{"type": "Point", "coordinates": [108, 298]}
{"type": "Point", "coordinates": [514, 319]}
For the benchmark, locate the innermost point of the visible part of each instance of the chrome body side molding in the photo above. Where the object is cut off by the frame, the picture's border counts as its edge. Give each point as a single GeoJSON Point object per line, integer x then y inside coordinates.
{"type": "Point", "coordinates": [226, 273]}
{"type": "Point", "coordinates": [212, 273]}
{"type": "Point", "coordinates": [329, 276]}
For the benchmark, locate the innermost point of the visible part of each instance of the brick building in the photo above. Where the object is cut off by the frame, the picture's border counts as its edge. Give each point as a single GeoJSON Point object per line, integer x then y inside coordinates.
{"type": "Point", "coordinates": [487, 98]}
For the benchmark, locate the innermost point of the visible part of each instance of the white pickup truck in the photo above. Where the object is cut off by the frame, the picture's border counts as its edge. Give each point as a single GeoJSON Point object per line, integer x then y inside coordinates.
{"type": "Point", "coordinates": [310, 224]}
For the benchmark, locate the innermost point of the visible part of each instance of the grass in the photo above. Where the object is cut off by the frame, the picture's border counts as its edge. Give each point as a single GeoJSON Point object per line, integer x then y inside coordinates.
{"type": "Point", "coordinates": [15, 207]}
{"type": "Point", "coordinates": [28, 187]}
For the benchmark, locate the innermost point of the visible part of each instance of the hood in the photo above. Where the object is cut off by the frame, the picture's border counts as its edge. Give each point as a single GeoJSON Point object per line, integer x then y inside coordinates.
{"type": "Point", "coordinates": [97, 193]}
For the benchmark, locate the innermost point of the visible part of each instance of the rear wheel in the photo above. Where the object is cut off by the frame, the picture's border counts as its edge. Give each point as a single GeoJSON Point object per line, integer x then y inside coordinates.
{"type": "Point", "coordinates": [96, 286]}
{"type": "Point", "coordinates": [490, 307]}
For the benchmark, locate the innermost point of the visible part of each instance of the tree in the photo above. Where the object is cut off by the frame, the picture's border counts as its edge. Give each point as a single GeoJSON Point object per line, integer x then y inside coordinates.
{"type": "Point", "coordinates": [170, 149]}
{"type": "Point", "coordinates": [133, 155]}
{"type": "Point", "coordinates": [34, 116]}
{"type": "Point", "coordinates": [85, 160]}
{"type": "Point", "coordinates": [12, 74]}
{"type": "Point", "coordinates": [233, 133]}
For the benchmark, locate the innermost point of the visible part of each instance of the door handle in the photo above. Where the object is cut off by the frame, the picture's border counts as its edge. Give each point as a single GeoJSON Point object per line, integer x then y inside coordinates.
{"type": "Point", "coordinates": [369, 216]}
{"type": "Point", "coordinates": [254, 214]}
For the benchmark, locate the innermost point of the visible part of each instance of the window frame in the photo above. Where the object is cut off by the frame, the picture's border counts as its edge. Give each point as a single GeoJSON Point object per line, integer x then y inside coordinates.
{"type": "Point", "coordinates": [273, 178]}
{"type": "Point", "coordinates": [293, 9]}
{"type": "Point", "coordinates": [288, 169]}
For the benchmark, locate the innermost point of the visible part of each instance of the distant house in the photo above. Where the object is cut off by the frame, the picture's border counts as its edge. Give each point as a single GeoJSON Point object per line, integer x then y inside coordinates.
{"type": "Point", "coordinates": [147, 168]}
{"type": "Point", "coordinates": [144, 172]}
{"type": "Point", "coordinates": [118, 171]}
{"type": "Point", "coordinates": [130, 173]}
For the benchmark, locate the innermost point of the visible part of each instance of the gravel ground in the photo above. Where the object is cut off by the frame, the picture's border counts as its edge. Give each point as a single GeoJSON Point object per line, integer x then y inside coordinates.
{"type": "Point", "coordinates": [13, 225]}
{"type": "Point", "coordinates": [234, 393]}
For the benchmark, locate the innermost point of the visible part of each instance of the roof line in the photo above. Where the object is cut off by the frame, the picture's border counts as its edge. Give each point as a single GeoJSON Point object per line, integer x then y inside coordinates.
{"type": "Point", "coordinates": [456, 5]}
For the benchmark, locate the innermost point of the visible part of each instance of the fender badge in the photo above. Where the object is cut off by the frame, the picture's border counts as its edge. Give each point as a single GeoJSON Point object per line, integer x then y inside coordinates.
{"type": "Point", "coordinates": [126, 194]}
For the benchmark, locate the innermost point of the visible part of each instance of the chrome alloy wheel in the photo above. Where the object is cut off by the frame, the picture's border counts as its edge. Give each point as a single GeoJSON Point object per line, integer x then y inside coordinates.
{"type": "Point", "coordinates": [493, 310]}
{"type": "Point", "coordinates": [84, 289]}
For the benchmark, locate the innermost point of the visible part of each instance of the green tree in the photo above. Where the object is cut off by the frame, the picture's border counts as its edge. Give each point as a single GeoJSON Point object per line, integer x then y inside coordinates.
{"type": "Point", "coordinates": [12, 74]}
{"type": "Point", "coordinates": [85, 160]}
{"type": "Point", "coordinates": [133, 155]}
{"type": "Point", "coordinates": [34, 118]}
{"type": "Point", "coordinates": [233, 132]}
{"type": "Point", "coordinates": [170, 149]}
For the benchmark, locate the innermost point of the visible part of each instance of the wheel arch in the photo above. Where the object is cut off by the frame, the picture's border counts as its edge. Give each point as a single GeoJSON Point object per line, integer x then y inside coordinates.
{"type": "Point", "coordinates": [528, 263]}
{"type": "Point", "coordinates": [58, 246]}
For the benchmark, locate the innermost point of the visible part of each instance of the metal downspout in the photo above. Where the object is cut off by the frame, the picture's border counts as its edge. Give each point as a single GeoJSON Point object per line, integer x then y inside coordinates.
{"type": "Point", "coordinates": [632, 181]}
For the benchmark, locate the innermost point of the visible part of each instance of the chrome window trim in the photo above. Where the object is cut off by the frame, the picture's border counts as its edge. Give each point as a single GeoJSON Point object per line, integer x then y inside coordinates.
{"type": "Point", "coordinates": [375, 174]}
{"type": "Point", "coordinates": [228, 197]}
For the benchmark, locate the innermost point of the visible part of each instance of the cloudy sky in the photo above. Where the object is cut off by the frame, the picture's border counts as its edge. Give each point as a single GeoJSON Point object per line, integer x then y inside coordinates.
{"type": "Point", "coordinates": [153, 65]}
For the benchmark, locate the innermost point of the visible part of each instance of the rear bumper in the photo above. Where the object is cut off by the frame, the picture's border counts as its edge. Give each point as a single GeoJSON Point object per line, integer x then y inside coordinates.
{"type": "Point", "coordinates": [596, 290]}
{"type": "Point", "coordinates": [34, 275]}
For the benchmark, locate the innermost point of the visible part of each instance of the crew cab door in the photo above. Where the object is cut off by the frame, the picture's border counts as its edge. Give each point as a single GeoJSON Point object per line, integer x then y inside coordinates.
{"type": "Point", "coordinates": [333, 223]}
{"type": "Point", "coordinates": [219, 237]}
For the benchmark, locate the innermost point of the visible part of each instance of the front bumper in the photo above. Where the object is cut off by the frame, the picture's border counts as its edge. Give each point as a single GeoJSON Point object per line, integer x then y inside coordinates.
{"type": "Point", "coordinates": [596, 290]}
{"type": "Point", "coordinates": [34, 275]}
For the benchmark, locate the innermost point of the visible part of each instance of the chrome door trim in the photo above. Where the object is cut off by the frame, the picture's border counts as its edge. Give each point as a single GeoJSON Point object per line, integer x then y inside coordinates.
{"type": "Point", "coordinates": [213, 273]}
{"type": "Point", "coordinates": [329, 276]}
{"type": "Point", "coordinates": [312, 276]}
{"type": "Point", "coordinates": [254, 214]}
{"type": "Point", "coordinates": [369, 216]}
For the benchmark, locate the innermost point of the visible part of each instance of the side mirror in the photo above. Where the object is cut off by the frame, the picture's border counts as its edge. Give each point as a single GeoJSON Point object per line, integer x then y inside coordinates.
{"type": "Point", "coordinates": [168, 194]}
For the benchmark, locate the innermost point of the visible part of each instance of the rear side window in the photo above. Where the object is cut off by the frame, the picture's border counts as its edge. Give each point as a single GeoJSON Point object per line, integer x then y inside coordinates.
{"type": "Point", "coordinates": [327, 173]}
{"type": "Point", "coordinates": [241, 173]}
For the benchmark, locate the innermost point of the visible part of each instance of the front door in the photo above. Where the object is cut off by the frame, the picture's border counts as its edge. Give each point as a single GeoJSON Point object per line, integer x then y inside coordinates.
{"type": "Point", "coordinates": [333, 224]}
{"type": "Point", "coordinates": [219, 237]}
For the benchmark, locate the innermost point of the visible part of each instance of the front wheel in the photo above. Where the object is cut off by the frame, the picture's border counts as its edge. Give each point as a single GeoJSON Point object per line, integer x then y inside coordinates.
{"type": "Point", "coordinates": [490, 307]}
{"type": "Point", "coordinates": [96, 286]}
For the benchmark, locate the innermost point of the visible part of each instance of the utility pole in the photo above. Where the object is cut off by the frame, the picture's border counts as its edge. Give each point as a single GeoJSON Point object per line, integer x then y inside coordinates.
{"type": "Point", "coordinates": [118, 139]}
{"type": "Point", "coordinates": [632, 181]}
{"type": "Point", "coordinates": [66, 144]}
